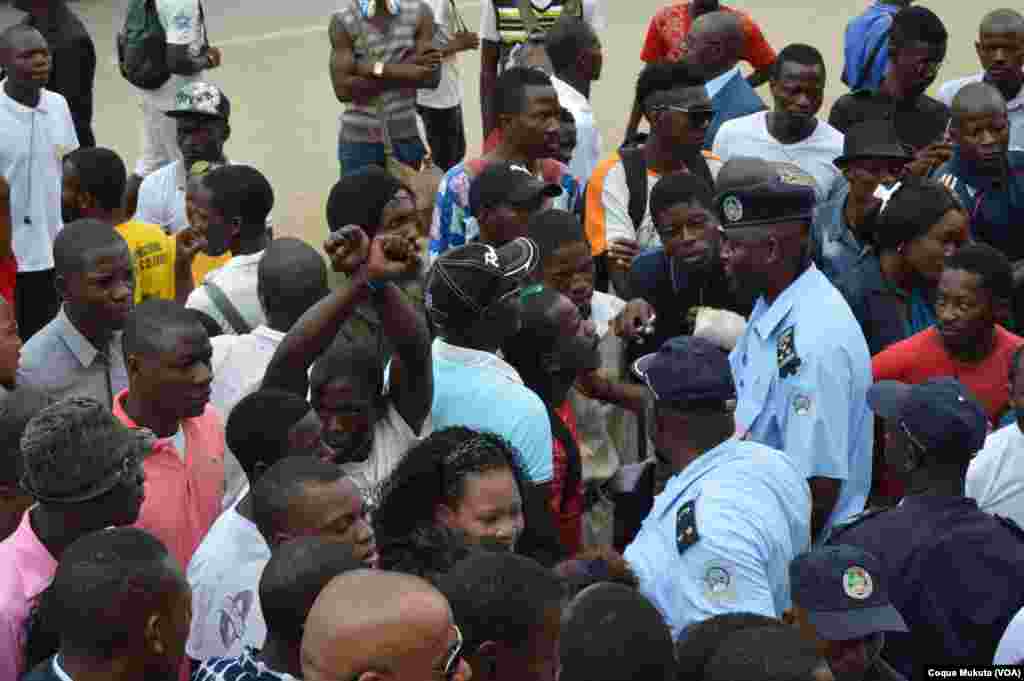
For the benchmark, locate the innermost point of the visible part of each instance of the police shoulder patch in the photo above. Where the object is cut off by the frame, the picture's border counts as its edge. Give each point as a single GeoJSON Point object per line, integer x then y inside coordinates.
{"type": "Point", "coordinates": [785, 351]}
{"type": "Point", "coordinates": [686, 526]}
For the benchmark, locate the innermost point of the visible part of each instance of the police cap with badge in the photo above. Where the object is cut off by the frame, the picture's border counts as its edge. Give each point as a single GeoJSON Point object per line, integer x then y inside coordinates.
{"type": "Point", "coordinates": [756, 197]}
{"type": "Point", "coordinates": [688, 374]}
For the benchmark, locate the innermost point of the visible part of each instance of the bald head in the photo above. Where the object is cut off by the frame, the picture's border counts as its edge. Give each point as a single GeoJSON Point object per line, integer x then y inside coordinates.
{"type": "Point", "coordinates": [1002, 22]}
{"type": "Point", "coordinates": [291, 278]}
{"type": "Point", "coordinates": [977, 98]}
{"type": "Point", "coordinates": [367, 623]}
{"type": "Point", "coordinates": [715, 42]}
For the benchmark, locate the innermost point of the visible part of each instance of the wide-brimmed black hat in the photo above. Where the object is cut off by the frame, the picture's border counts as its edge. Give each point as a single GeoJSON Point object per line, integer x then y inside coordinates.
{"type": "Point", "coordinates": [872, 139]}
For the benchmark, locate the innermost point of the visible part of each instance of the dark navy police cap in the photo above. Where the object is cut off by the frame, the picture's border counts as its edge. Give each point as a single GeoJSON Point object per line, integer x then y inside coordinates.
{"type": "Point", "coordinates": [688, 371]}
{"type": "Point", "coordinates": [843, 590]}
{"type": "Point", "coordinates": [764, 193]}
{"type": "Point", "coordinates": [941, 414]}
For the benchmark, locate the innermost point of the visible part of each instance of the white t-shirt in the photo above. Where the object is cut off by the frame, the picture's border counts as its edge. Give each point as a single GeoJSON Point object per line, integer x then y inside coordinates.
{"type": "Point", "coordinates": [1014, 107]}
{"type": "Point", "coordinates": [1011, 646]}
{"type": "Point", "coordinates": [593, 14]}
{"type": "Point", "coordinates": [237, 278]}
{"type": "Point", "coordinates": [33, 144]}
{"type": "Point", "coordinates": [181, 22]}
{"type": "Point", "coordinates": [162, 198]}
{"type": "Point", "coordinates": [448, 93]}
{"type": "Point", "coordinates": [588, 137]}
{"type": "Point", "coordinates": [995, 478]}
{"type": "Point", "coordinates": [239, 363]}
{"type": "Point", "coordinates": [392, 438]}
{"type": "Point", "coordinates": [224, 575]}
{"type": "Point", "coordinates": [749, 136]}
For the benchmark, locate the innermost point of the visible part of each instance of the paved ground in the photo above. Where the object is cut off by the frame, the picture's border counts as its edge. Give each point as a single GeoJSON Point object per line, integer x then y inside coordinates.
{"type": "Point", "coordinates": [285, 116]}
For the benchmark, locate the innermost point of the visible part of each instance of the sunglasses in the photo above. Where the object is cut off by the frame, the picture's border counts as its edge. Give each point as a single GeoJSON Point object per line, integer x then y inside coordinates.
{"type": "Point", "coordinates": [699, 116]}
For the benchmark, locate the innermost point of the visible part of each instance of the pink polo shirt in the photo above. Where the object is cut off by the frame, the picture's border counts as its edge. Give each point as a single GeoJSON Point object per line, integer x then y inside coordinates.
{"type": "Point", "coordinates": [183, 497]}
{"type": "Point", "coordinates": [26, 568]}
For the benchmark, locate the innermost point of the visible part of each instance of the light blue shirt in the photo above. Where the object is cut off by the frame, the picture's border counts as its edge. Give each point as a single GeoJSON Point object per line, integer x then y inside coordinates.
{"type": "Point", "coordinates": [59, 361]}
{"type": "Point", "coordinates": [752, 512]}
{"type": "Point", "coordinates": [802, 371]}
{"type": "Point", "coordinates": [479, 390]}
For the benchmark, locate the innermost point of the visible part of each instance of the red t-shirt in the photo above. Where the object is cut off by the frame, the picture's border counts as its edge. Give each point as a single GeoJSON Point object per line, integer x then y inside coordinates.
{"type": "Point", "coordinates": [568, 515]}
{"type": "Point", "coordinates": [8, 278]}
{"type": "Point", "coordinates": [670, 25]}
{"type": "Point", "coordinates": [923, 357]}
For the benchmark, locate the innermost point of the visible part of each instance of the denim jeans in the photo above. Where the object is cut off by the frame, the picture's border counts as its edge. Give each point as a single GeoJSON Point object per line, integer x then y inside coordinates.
{"type": "Point", "coordinates": [354, 156]}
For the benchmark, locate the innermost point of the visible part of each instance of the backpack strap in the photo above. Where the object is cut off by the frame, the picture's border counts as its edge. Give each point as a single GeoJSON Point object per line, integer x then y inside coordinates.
{"type": "Point", "coordinates": [226, 308]}
{"type": "Point", "coordinates": [635, 166]}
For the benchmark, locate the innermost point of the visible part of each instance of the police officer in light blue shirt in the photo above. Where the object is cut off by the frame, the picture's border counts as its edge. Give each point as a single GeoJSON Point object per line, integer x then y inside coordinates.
{"type": "Point", "coordinates": [721, 535]}
{"type": "Point", "coordinates": [802, 367]}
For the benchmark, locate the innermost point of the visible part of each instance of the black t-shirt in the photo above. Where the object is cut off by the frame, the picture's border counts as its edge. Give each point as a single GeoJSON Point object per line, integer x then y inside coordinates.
{"type": "Point", "coordinates": [919, 122]}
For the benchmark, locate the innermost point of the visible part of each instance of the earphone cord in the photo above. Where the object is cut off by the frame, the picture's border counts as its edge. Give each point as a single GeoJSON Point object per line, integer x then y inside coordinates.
{"type": "Point", "coordinates": [31, 159]}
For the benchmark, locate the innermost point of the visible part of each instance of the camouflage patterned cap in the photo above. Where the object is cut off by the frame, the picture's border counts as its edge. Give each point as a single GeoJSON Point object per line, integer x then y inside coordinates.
{"type": "Point", "coordinates": [202, 99]}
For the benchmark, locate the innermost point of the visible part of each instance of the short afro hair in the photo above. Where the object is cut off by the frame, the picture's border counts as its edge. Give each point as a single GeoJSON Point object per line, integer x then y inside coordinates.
{"type": "Point", "coordinates": [612, 632]}
{"type": "Point", "coordinates": [553, 229]}
{"type": "Point", "coordinates": [78, 242]}
{"type": "Point", "coordinates": [106, 587]}
{"type": "Point", "coordinates": [510, 91]}
{"type": "Point", "coordinates": [358, 361]}
{"type": "Point", "coordinates": [298, 571]}
{"type": "Point", "coordinates": [359, 198]}
{"type": "Point", "coordinates": [657, 78]}
{"type": "Point", "coordinates": [101, 174]}
{"type": "Point", "coordinates": [292, 278]}
{"type": "Point", "coordinates": [700, 641]}
{"type": "Point", "coordinates": [799, 53]}
{"type": "Point", "coordinates": [16, 410]}
{"type": "Point", "coordinates": [145, 330]}
{"type": "Point", "coordinates": [991, 265]}
{"type": "Point", "coordinates": [567, 39]}
{"type": "Point", "coordinates": [283, 484]}
{"type": "Point", "coordinates": [916, 24]}
{"type": "Point", "coordinates": [258, 426]}
{"type": "Point", "coordinates": [678, 188]}
{"type": "Point", "coordinates": [500, 597]}
{"type": "Point", "coordinates": [243, 193]}
{"type": "Point", "coordinates": [769, 653]}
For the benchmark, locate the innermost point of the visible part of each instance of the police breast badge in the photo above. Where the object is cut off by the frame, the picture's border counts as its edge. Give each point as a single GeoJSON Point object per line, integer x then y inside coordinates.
{"type": "Point", "coordinates": [686, 526]}
{"type": "Point", "coordinates": [785, 352]}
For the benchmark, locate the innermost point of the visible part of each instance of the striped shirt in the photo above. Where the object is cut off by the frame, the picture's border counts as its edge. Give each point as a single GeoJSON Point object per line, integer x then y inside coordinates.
{"type": "Point", "coordinates": [391, 114]}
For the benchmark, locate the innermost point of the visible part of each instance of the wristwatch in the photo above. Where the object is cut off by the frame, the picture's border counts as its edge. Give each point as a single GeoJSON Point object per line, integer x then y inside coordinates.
{"type": "Point", "coordinates": [378, 69]}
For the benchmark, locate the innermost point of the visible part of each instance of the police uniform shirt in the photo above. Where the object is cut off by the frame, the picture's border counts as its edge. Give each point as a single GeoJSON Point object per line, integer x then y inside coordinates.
{"type": "Point", "coordinates": [802, 372]}
{"type": "Point", "coordinates": [954, 574]}
{"type": "Point", "coordinates": [721, 536]}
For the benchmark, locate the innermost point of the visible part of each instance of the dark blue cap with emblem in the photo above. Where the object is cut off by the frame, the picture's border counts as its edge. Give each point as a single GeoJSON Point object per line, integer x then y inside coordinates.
{"type": "Point", "coordinates": [754, 192]}
{"type": "Point", "coordinates": [843, 590]}
{"type": "Point", "coordinates": [941, 415]}
{"type": "Point", "coordinates": [688, 371]}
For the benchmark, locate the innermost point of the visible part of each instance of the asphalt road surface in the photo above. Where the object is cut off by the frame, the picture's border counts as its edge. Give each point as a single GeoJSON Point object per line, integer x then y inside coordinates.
{"type": "Point", "coordinates": [285, 115]}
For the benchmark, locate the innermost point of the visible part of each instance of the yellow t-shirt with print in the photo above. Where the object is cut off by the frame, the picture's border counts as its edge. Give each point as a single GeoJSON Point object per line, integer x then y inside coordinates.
{"type": "Point", "coordinates": [153, 254]}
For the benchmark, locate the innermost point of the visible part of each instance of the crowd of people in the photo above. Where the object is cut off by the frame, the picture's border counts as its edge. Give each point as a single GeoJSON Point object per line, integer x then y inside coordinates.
{"type": "Point", "coordinates": [740, 401]}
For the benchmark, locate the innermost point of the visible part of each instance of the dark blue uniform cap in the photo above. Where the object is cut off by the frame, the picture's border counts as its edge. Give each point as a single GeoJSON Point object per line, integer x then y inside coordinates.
{"type": "Point", "coordinates": [843, 590]}
{"type": "Point", "coordinates": [940, 414]}
{"type": "Point", "coordinates": [765, 203]}
{"type": "Point", "coordinates": [688, 371]}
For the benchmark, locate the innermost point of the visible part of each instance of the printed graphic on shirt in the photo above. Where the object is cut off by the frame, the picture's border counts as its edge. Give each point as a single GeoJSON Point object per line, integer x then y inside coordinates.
{"type": "Point", "coordinates": [233, 616]}
{"type": "Point", "coordinates": [785, 350]}
{"type": "Point", "coordinates": [182, 21]}
{"type": "Point", "coordinates": [857, 583]}
{"type": "Point", "coordinates": [719, 586]}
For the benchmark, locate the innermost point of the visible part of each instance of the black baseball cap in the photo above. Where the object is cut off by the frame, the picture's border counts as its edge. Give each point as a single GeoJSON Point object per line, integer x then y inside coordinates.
{"type": "Point", "coordinates": [755, 192]}
{"type": "Point", "coordinates": [509, 183]}
{"type": "Point", "coordinates": [463, 282]}
{"type": "Point", "coordinates": [940, 415]}
{"type": "Point", "coordinates": [844, 592]}
{"type": "Point", "coordinates": [688, 371]}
